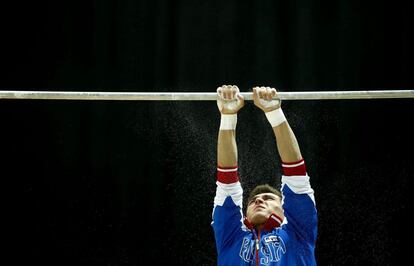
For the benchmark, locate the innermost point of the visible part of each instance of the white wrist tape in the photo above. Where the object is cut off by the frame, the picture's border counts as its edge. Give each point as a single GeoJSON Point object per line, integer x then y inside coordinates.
{"type": "Point", "coordinates": [276, 117]}
{"type": "Point", "coordinates": [228, 122]}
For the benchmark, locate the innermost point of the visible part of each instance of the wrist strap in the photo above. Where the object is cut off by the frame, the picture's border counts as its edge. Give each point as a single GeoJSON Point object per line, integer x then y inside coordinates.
{"type": "Point", "coordinates": [228, 122]}
{"type": "Point", "coordinates": [276, 117]}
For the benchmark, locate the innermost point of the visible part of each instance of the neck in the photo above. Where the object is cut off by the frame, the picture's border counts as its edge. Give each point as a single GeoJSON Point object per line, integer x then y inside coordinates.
{"type": "Point", "coordinates": [259, 227]}
{"type": "Point", "coordinates": [272, 222]}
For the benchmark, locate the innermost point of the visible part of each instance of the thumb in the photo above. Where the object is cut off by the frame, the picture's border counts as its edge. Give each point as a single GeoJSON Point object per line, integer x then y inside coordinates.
{"type": "Point", "coordinates": [240, 98]}
{"type": "Point", "coordinates": [255, 94]}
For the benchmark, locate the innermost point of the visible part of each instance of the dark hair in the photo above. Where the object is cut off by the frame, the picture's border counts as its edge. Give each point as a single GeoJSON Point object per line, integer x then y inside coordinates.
{"type": "Point", "coordinates": [263, 189]}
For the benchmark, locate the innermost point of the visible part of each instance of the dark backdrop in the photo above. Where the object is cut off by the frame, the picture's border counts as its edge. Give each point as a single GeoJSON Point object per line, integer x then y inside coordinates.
{"type": "Point", "coordinates": [132, 183]}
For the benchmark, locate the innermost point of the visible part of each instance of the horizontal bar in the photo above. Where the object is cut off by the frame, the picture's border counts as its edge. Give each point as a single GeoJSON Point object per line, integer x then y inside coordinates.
{"type": "Point", "coordinates": [199, 96]}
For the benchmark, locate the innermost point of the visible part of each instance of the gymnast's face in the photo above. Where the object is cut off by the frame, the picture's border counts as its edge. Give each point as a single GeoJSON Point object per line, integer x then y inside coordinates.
{"type": "Point", "coordinates": [261, 206]}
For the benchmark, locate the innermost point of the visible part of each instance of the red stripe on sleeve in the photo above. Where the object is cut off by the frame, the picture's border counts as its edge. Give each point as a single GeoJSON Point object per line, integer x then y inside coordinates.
{"type": "Point", "coordinates": [294, 168]}
{"type": "Point", "coordinates": [227, 175]}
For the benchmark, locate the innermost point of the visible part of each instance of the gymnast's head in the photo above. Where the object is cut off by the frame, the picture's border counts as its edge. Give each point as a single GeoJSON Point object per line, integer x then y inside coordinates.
{"type": "Point", "coordinates": [263, 201]}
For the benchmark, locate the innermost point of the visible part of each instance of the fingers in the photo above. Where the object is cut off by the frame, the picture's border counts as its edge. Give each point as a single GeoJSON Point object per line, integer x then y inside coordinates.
{"type": "Point", "coordinates": [231, 92]}
{"type": "Point", "coordinates": [228, 92]}
{"type": "Point", "coordinates": [265, 93]}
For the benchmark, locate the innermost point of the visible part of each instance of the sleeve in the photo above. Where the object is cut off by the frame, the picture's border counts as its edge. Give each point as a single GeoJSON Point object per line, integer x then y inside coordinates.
{"type": "Point", "coordinates": [227, 212]}
{"type": "Point", "coordinates": [298, 201]}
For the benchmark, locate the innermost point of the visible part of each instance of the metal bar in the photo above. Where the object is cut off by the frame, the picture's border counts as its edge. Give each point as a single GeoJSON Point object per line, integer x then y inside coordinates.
{"type": "Point", "coordinates": [199, 96]}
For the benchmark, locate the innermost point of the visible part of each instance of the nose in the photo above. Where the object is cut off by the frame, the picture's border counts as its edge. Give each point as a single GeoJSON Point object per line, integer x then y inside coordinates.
{"type": "Point", "coordinates": [258, 200]}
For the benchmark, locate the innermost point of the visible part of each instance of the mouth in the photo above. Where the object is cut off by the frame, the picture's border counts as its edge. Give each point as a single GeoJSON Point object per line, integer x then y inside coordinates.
{"type": "Point", "coordinates": [258, 207]}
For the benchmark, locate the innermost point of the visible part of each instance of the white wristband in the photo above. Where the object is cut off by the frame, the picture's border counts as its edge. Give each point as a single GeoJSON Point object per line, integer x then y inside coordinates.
{"type": "Point", "coordinates": [276, 117]}
{"type": "Point", "coordinates": [228, 122]}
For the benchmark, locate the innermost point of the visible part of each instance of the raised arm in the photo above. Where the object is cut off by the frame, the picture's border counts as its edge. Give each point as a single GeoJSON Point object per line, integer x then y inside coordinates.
{"type": "Point", "coordinates": [228, 201]}
{"type": "Point", "coordinates": [298, 196]}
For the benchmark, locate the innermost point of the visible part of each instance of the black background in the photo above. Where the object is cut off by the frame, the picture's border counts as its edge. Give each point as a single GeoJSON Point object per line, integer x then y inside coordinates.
{"type": "Point", "coordinates": [132, 183]}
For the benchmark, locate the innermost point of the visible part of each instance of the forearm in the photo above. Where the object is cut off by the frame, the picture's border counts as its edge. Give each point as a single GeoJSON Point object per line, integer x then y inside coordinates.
{"type": "Point", "coordinates": [230, 101]}
{"type": "Point", "coordinates": [287, 144]}
{"type": "Point", "coordinates": [227, 148]}
{"type": "Point", "coordinates": [266, 99]}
